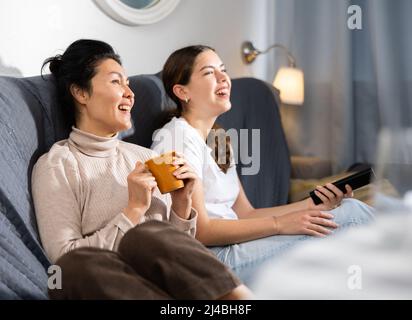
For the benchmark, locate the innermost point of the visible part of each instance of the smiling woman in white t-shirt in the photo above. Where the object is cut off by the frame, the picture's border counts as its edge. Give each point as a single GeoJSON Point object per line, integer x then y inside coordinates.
{"type": "Point", "coordinates": [240, 235]}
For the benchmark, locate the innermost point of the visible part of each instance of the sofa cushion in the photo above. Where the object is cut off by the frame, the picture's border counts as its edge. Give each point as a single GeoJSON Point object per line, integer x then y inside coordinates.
{"type": "Point", "coordinates": [25, 134]}
{"type": "Point", "coordinates": [22, 276]}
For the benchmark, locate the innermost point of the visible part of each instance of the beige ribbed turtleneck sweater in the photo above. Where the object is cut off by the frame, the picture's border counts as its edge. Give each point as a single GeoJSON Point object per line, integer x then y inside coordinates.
{"type": "Point", "coordinates": [80, 189]}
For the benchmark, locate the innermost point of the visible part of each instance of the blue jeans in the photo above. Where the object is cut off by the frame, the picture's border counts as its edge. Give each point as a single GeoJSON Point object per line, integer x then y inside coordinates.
{"type": "Point", "coordinates": [245, 258]}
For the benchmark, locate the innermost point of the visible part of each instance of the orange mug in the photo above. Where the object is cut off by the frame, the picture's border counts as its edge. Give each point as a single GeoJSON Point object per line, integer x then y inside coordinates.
{"type": "Point", "coordinates": [162, 169]}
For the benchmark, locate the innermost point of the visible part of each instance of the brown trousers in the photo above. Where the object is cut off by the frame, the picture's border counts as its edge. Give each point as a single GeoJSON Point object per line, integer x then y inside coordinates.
{"type": "Point", "coordinates": [154, 261]}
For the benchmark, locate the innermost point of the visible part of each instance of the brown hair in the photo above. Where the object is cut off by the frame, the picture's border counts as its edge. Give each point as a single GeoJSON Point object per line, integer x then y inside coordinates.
{"type": "Point", "coordinates": [177, 70]}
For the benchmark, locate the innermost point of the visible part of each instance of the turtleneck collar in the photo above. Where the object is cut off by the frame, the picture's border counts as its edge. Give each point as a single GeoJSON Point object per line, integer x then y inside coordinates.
{"type": "Point", "coordinates": [93, 145]}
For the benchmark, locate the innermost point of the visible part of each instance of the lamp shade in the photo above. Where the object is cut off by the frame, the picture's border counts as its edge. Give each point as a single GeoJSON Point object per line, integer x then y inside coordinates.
{"type": "Point", "coordinates": [289, 81]}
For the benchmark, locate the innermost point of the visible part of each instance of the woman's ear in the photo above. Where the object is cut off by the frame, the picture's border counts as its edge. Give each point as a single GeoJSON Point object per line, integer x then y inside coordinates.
{"type": "Point", "coordinates": [79, 94]}
{"type": "Point", "coordinates": [180, 92]}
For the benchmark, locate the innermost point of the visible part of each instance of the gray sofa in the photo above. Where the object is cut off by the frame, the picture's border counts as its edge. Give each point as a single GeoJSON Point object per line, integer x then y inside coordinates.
{"type": "Point", "coordinates": [30, 122]}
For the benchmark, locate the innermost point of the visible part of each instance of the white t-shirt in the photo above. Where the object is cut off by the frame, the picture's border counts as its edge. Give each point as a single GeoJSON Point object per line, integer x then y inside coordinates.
{"type": "Point", "coordinates": [220, 189]}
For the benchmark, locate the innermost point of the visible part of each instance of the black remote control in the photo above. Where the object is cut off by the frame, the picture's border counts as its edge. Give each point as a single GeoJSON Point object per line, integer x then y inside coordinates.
{"type": "Point", "coordinates": [356, 180]}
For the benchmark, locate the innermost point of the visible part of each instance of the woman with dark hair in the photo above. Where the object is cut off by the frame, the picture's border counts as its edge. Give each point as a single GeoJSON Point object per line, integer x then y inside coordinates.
{"type": "Point", "coordinates": [240, 235]}
{"type": "Point", "coordinates": [93, 192]}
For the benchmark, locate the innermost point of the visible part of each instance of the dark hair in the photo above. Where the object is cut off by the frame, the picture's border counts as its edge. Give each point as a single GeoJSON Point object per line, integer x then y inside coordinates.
{"type": "Point", "coordinates": [77, 65]}
{"type": "Point", "coordinates": [177, 70]}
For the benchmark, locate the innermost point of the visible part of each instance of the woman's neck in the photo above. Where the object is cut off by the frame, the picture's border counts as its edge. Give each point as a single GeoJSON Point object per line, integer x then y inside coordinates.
{"type": "Point", "coordinates": [95, 130]}
{"type": "Point", "coordinates": [202, 124]}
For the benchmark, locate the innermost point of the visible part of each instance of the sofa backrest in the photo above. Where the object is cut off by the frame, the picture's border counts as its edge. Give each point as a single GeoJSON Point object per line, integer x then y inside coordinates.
{"type": "Point", "coordinates": [255, 106]}
{"type": "Point", "coordinates": [25, 133]}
